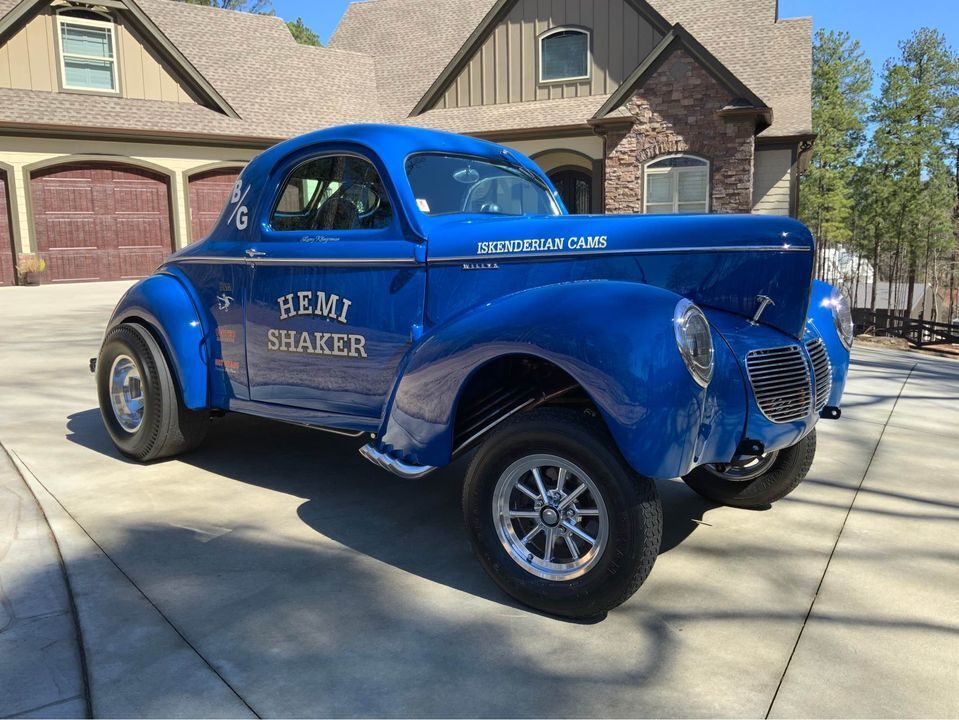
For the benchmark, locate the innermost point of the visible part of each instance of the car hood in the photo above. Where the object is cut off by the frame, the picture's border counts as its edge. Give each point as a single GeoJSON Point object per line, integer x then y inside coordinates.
{"type": "Point", "coordinates": [721, 261]}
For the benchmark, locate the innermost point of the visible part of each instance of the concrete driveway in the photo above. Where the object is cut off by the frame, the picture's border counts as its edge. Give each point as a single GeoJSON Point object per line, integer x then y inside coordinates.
{"type": "Point", "coordinates": [275, 573]}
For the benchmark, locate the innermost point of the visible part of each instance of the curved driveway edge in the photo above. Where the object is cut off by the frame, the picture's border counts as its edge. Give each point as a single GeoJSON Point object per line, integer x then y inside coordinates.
{"type": "Point", "coordinates": [139, 665]}
{"type": "Point", "coordinates": [41, 669]}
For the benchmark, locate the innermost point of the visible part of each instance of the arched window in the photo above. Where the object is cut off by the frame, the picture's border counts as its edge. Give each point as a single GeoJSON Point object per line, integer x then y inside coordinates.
{"type": "Point", "coordinates": [88, 59]}
{"type": "Point", "coordinates": [676, 184]}
{"type": "Point", "coordinates": [564, 55]}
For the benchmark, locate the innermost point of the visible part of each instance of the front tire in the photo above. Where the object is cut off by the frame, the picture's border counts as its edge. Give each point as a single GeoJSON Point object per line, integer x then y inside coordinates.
{"type": "Point", "coordinates": [742, 487]}
{"type": "Point", "coordinates": [139, 401]}
{"type": "Point", "coordinates": [557, 517]}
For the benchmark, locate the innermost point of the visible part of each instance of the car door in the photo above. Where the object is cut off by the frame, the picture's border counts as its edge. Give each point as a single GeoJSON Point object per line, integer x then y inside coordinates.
{"type": "Point", "coordinates": [337, 291]}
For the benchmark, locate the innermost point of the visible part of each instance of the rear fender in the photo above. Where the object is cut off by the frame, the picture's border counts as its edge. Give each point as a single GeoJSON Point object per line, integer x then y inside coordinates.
{"type": "Point", "coordinates": [821, 318]}
{"type": "Point", "coordinates": [615, 339]}
{"type": "Point", "coordinates": [163, 303]}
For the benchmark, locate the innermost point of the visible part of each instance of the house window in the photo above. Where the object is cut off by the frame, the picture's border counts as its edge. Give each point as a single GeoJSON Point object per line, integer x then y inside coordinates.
{"type": "Point", "coordinates": [677, 184]}
{"type": "Point", "coordinates": [87, 51]}
{"type": "Point", "coordinates": [564, 55]}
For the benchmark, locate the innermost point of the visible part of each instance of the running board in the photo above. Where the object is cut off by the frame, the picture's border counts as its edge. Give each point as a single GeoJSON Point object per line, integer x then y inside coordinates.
{"type": "Point", "coordinates": [397, 467]}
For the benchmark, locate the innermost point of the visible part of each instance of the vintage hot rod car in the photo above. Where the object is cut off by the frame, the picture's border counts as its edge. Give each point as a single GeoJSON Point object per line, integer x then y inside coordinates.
{"type": "Point", "coordinates": [430, 291]}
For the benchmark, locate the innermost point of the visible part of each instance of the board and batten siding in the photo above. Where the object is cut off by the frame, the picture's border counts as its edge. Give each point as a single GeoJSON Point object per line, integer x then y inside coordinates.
{"type": "Point", "coordinates": [505, 69]}
{"type": "Point", "coordinates": [29, 60]}
{"type": "Point", "coordinates": [772, 182]}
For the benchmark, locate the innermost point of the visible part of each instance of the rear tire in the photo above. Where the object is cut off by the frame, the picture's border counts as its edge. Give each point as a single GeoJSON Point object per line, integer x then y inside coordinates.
{"type": "Point", "coordinates": [618, 509]}
{"type": "Point", "coordinates": [782, 477]}
{"type": "Point", "coordinates": [139, 400]}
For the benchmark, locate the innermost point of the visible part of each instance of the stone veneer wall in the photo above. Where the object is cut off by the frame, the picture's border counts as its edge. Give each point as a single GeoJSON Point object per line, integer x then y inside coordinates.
{"type": "Point", "coordinates": [676, 110]}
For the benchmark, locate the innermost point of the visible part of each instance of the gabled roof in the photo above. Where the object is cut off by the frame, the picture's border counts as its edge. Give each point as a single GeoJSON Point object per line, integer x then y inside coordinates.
{"type": "Point", "coordinates": [411, 41]}
{"type": "Point", "coordinates": [23, 10]}
{"type": "Point", "coordinates": [257, 83]}
{"type": "Point", "coordinates": [414, 41]}
{"type": "Point", "coordinates": [494, 16]}
{"type": "Point", "coordinates": [679, 37]}
{"type": "Point", "coordinates": [275, 87]}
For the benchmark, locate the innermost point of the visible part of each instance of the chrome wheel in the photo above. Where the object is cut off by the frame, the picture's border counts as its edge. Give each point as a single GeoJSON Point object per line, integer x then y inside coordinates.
{"type": "Point", "coordinates": [550, 517]}
{"type": "Point", "coordinates": [742, 472]}
{"type": "Point", "coordinates": [126, 393]}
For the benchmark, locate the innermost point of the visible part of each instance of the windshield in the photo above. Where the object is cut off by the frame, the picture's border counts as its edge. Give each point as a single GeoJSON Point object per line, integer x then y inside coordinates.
{"type": "Point", "coordinates": [447, 184]}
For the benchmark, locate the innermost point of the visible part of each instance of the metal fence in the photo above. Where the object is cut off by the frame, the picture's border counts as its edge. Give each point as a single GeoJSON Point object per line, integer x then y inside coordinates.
{"type": "Point", "coordinates": [917, 332]}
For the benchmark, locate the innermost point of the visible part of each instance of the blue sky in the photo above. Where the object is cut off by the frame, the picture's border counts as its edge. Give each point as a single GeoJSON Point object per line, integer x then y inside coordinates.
{"type": "Point", "coordinates": [878, 24]}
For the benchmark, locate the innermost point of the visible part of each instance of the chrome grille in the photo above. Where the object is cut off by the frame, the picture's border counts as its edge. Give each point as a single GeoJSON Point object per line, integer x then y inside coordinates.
{"type": "Point", "coordinates": [821, 370]}
{"type": "Point", "coordinates": [781, 383]}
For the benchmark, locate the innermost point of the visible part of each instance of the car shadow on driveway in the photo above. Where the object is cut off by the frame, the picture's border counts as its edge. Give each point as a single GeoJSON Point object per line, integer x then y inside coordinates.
{"type": "Point", "coordinates": [413, 525]}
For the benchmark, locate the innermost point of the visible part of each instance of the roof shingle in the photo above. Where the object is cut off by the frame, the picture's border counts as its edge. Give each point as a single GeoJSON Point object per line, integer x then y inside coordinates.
{"type": "Point", "coordinates": [383, 58]}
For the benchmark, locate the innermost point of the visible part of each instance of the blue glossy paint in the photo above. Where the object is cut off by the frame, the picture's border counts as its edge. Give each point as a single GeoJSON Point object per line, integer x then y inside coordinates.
{"type": "Point", "coordinates": [163, 304]}
{"type": "Point", "coordinates": [821, 318]}
{"type": "Point", "coordinates": [434, 298]}
{"type": "Point", "coordinates": [680, 252]}
{"type": "Point", "coordinates": [742, 337]}
{"type": "Point", "coordinates": [632, 371]}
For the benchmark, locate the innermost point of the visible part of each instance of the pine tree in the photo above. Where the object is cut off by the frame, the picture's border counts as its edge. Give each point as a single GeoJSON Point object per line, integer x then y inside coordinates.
{"type": "Point", "coordinates": [300, 31]}
{"type": "Point", "coordinates": [909, 148]}
{"type": "Point", "coordinates": [841, 80]}
{"type": "Point", "coordinates": [260, 7]}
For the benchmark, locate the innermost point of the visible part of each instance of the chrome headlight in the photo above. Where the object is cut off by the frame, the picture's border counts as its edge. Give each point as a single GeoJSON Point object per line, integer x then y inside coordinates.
{"type": "Point", "coordinates": [695, 341]}
{"type": "Point", "coordinates": [842, 316]}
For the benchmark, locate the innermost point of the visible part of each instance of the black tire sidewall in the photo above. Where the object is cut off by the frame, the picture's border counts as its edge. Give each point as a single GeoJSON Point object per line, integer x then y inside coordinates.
{"type": "Point", "coordinates": [136, 343]}
{"type": "Point", "coordinates": [786, 473]}
{"type": "Point", "coordinates": [584, 442]}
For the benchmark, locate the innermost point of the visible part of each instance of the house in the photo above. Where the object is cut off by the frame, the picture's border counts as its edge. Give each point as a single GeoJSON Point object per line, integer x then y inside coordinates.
{"type": "Point", "coordinates": [124, 123]}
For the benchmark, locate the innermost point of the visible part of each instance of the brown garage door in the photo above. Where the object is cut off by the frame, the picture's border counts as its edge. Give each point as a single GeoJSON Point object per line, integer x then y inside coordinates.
{"type": "Point", "coordinates": [7, 271]}
{"type": "Point", "coordinates": [209, 192]}
{"type": "Point", "coordinates": [98, 221]}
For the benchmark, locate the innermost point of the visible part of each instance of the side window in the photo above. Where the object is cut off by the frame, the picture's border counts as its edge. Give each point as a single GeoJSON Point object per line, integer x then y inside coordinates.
{"type": "Point", "coordinates": [333, 192]}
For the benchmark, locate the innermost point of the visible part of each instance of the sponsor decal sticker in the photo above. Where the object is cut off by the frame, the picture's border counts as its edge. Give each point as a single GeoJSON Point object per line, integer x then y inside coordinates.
{"type": "Point", "coordinates": [240, 216]}
{"type": "Point", "coordinates": [225, 335]}
{"type": "Point", "coordinates": [231, 366]}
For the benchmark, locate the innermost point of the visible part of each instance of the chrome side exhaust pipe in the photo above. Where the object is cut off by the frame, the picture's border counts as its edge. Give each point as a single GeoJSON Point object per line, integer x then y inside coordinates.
{"type": "Point", "coordinates": [397, 467]}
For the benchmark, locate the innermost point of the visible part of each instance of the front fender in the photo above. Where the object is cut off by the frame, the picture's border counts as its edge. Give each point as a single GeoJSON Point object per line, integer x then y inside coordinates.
{"type": "Point", "coordinates": [615, 339]}
{"type": "Point", "coordinates": [163, 303]}
{"type": "Point", "coordinates": [820, 316]}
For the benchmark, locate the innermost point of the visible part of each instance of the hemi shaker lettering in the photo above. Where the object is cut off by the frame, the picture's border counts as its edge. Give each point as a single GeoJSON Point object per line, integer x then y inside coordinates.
{"type": "Point", "coordinates": [316, 343]}
{"type": "Point", "coordinates": [310, 302]}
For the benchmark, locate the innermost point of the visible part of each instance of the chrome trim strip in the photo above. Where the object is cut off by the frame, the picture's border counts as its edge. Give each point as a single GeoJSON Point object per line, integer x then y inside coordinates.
{"type": "Point", "coordinates": [631, 251]}
{"type": "Point", "coordinates": [208, 259]}
{"type": "Point", "coordinates": [293, 261]}
{"type": "Point", "coordinates": [333, 261]}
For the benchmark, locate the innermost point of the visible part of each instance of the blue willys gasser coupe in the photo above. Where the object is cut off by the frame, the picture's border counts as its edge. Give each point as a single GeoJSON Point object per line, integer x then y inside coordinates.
{"type": "Point", "coordinates": [431, 292]}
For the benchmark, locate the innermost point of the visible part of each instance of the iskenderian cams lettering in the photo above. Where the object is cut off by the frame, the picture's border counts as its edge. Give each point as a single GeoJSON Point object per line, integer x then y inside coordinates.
{"type": "Point", "coordinates": [505, 247]}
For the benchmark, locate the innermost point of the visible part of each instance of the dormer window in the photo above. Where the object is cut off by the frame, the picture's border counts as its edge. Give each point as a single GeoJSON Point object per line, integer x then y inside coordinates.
{"type": "Point", "coordinates": [87, 51]}
{"type": "Point", "coordinates": [564, 55]}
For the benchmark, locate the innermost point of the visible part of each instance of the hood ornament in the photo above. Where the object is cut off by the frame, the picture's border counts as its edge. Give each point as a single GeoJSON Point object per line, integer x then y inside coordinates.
{"type": "Point", "coordinates": [764, 302]}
